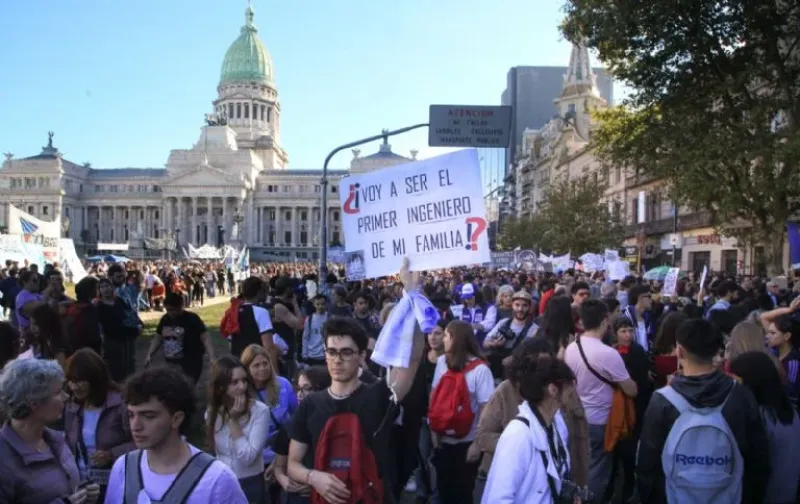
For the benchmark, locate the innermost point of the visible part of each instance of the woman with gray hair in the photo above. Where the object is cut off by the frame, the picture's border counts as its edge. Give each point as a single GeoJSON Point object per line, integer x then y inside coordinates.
{"type": "Point", "coordinates": [36, 465]}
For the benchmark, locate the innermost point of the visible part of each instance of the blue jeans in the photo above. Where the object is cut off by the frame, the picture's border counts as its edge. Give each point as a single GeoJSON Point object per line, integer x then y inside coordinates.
{"type": "Point", "coordinates": [600, 461]}
{"type": "Point", "coordinates": [426, 476]}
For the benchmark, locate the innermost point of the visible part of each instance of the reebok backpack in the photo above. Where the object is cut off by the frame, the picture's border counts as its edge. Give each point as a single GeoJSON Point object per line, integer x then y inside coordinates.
{"type": "Point", "coordinates": [342, 450]}
{"type": "Point", "coordinates": [450, 412]}
{"type": "Point", "coordinates": [701, 459]}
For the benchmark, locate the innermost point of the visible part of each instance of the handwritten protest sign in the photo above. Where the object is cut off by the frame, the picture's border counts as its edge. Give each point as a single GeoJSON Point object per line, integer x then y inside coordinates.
{"type": "Point", "coordinates": [670, 282]}
{"type": "Point", "coordinates": [431, 211]}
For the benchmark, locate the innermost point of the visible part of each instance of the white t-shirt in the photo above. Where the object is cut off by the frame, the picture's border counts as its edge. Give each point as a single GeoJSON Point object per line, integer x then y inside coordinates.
{"type": "Point", "coordinates": [218, 485]}
{"type": "Point", "coordinates": [480, 383]}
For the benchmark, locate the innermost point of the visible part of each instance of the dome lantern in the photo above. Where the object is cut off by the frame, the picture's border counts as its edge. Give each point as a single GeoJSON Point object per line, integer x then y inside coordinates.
{"type": "Point", "coordinates": [247, 59]}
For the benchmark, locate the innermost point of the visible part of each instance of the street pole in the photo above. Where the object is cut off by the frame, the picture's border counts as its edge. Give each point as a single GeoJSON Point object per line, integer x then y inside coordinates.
{"type": "Point", "coordinates": [323, 245]}
{"type": "Point", "coordinates": [674, 234]}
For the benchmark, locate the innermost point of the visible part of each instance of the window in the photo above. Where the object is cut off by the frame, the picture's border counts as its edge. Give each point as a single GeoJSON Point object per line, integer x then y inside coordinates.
{"type": "Point", "coordinates": [272, 215]}
{"type": "Point", "coordinates": [30, 209]}
{"type": "Point", "coordinates": [317, 189]}
{"type": "Point", "coordinates": [287, 237]}
{"type": "Point", "coordinates": [571, 109]}
{"type": "Point", "coordinates": [114, 188]}
{"type": "Point", "coordinates": [287, 188]}
{"type": "Point", "coordinates": [303, 238]}
{"type": "Point", "coordinates": [238, 110]}
{"type": "Point", "coordinates": [336, 216]}
{"type": "Point", "coordinates": [303, 215]}
{"type": "Point", "coordinates": [334, 188]}
{"type": "Point", "coordinates": [80, 189]}
{"type": "Point", "coordinates": [335, 237]}
{"type": "Point", "coordinates": [98, 188]}
{"type": "Point", "coordinates": [126, 233]}
{"type": "Point", "coordinates": [230, 110]}
{"type": "Point", "coordinates": [141, 214]}
{"type": "Point", "coordinates": [269, 114]}
{"type": "Point", "coordinates": [66, 211]}
{"type": "Point", "coordinates": [247, 111]}
{"type": "Point", "coordinates": [125, 213]}
{"type": "Point", "coordinates": [288, 216]}
{"type": "Point", "coordinates": [45, 210]}
{"type": "Point", "coordinates": [156, 214]}
{"type": "Point", "coordinates": [156, 188]}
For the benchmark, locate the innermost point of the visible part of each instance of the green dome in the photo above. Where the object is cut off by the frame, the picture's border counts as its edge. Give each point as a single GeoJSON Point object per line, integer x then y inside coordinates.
{"type": "Point", "coordinates": [247, 60]}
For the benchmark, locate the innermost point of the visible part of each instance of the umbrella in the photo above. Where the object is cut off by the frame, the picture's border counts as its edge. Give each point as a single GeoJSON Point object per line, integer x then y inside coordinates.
{"type": "Point", "coordinates": [660, 273]}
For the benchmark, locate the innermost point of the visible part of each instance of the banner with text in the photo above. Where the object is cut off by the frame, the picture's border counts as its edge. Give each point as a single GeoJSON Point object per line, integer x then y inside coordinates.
{"type": "Point", "coordinates": [35, 231]}
{"type": "Point", "coordinates": [431, 211]}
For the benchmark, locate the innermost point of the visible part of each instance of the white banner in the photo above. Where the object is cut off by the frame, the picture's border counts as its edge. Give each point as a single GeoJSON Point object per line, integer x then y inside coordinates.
{"type": "Point", "coordinates": [35, 231]}
{"type": "Point", "coordinates": [70, 264]}
{"type": "Point", "coordinates": [204, 252]}
{"type": "Point", "coordinates": [431, 211]}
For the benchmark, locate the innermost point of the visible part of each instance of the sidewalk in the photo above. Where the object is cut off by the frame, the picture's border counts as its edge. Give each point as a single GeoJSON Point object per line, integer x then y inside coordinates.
{"type": "Point", "coordinates": [155, 315]}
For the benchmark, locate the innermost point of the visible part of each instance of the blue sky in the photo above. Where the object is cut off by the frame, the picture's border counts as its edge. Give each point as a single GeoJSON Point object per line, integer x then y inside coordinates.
{"type": "Point", "coordinates": [122, 83]}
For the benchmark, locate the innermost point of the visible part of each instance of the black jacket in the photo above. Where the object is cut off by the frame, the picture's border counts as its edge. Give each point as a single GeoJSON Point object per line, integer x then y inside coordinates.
{"type": "Point", "coordinates": [742, 414]}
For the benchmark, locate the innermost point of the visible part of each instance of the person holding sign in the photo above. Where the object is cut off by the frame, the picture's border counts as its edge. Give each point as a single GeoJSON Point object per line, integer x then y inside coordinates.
{"type": "Point", "coordinates": [352, 410]}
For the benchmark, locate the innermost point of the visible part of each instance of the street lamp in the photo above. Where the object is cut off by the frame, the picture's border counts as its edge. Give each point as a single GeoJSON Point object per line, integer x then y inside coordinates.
{"type": "Point", "coordinates": [220, 236]}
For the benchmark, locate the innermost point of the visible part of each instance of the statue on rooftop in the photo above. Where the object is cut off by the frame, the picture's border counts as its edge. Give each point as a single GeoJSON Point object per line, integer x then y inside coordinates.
{"type": "Point", "coordinates": [9, 156]}
{"type": "Point", "coordinates": [50, 136]}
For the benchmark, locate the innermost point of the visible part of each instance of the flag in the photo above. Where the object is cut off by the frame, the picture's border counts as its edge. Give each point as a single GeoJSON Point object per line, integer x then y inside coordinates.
{"type": "Point", "coordinates": [396, 340]}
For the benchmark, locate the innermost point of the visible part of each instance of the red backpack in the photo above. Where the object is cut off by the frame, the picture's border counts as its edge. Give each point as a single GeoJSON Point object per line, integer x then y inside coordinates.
{"type": "Point", "coordinates": [450, 412]}
{"type": "Point", "coordinates": [342, 451]}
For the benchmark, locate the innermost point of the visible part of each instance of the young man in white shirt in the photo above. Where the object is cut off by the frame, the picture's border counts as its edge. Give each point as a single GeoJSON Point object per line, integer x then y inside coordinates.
{"type": "Point", "coordinates": [161, 403]}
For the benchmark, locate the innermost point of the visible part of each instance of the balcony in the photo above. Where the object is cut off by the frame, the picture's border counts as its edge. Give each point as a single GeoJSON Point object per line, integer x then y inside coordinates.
{"type": "Point", "coordinates": [665, 226]}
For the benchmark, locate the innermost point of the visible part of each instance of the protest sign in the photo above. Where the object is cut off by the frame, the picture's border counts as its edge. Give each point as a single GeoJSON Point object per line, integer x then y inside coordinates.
{"type": "Point", "coordinates": [670, 282]}
{"type": "Point", "coordinates": [73, 269]}
{"type": "Point", "coordinates": [35, 231]}
{"type": "Point", "coordinates": [430, 211]}
{"type": "Point", "coordinates": [503, 259]}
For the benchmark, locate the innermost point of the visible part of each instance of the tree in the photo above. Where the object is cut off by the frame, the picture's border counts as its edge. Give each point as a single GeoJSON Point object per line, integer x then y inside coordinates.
{"type": "Point", "coordinates": [715, 105]}
{"type": "Point", "coordinates": [572, 217]}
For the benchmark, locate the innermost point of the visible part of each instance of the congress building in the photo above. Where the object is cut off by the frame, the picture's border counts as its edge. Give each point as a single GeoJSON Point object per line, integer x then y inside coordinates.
{"type": "Point", "coordinates": [232, 186]}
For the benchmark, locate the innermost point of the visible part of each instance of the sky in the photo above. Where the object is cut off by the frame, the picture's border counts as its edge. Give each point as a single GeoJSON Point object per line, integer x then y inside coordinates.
{"type": "Point", "coordinates": [122, 83]}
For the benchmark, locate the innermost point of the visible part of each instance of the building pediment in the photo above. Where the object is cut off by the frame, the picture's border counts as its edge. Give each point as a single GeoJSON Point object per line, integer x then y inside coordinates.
{"type": "Point", "coordinates": [206, 176]}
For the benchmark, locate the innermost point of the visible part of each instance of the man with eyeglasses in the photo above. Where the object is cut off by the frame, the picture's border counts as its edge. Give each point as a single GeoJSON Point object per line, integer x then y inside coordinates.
{"type": "Point", "coordinates": [372, 405]}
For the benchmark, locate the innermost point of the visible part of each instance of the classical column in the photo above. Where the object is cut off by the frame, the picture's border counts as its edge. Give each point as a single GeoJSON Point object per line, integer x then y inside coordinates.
{"type": "Point", "coordinates": [251, 218]}
{"type": "Point", "coordinates": [181, 212]}
{"type": "Point", "coordinates": [195, 223]}
{"type": "Point", "coordinates": [293, 225]}
{"type": "Point", "coordinates": [212, 229]}
{"type": "Point", "coordinates": [279, 225]}
{"type": "Point", "coordinates": [99, 233]}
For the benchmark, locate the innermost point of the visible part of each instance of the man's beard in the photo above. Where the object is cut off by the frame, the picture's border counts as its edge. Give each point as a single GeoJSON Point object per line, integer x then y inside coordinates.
{"type": "Point", "coordinates": [520, 316]}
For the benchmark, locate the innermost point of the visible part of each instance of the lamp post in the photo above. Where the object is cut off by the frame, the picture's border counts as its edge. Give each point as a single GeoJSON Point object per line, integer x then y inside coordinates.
{"type": "Point", "coordinates": [177, 240]}
{"type": "Point", "coordinates": [323, 242]}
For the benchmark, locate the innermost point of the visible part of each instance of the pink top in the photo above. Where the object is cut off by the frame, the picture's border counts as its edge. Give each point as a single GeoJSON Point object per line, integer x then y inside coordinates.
{"type": "Point", "coordinates": [595, 395]}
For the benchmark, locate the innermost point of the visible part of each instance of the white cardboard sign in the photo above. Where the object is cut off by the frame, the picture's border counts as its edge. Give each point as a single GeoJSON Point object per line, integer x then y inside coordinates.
{"type": "Point", "coordinates": [431, 211]}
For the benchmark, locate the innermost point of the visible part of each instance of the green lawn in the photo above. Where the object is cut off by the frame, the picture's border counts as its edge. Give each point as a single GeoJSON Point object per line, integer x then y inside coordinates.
{"type": "Point", "coordinates": [211, 316]}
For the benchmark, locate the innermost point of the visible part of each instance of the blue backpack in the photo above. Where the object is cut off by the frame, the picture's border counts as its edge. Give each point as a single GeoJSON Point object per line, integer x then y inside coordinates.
{"type": "Point", "coordinates": [701, 459]}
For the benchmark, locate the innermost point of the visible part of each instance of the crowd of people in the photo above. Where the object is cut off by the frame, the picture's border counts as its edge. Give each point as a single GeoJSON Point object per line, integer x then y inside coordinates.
{"type": "Point", "coordinates": [525, 388]}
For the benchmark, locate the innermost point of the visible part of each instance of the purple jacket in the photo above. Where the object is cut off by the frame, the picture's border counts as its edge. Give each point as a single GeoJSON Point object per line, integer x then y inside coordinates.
{"type": "Point", "coordinates": [31, 477]}
{"type": "Point", "coordinates": [113, 430]}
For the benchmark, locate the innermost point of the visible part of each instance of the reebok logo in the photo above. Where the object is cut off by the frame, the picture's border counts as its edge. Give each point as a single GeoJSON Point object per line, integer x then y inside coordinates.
{"type": "Point", "coordinates": [703, 460]}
